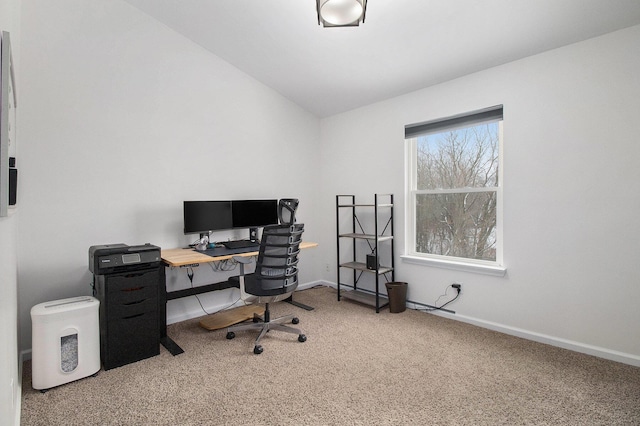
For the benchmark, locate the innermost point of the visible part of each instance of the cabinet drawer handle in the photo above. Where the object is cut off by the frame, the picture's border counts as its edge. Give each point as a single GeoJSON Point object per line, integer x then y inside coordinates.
{"type": "Point", "coordinates": [124, 290]}
{"type": "Point", "coordinates": [137, 302]}
{"type": "Point", "coordinates": [134, 274]}
{"type": "Point", "coordinates": [133, 316]}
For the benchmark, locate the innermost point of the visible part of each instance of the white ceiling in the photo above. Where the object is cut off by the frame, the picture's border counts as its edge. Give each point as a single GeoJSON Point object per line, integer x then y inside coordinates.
{"type": "Point", "coordinates": [404, 45]}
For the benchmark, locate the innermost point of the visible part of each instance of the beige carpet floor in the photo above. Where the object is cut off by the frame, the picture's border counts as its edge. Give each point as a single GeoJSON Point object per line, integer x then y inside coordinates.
{"type": "Point", "coordinates": [356, 368]}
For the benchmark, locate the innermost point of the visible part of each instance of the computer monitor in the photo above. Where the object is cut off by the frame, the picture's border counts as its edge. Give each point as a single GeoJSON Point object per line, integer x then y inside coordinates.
{"type": "Point", "coordinates": [202, 217]}
{"type": "Point", "coordinates": [253, 214]}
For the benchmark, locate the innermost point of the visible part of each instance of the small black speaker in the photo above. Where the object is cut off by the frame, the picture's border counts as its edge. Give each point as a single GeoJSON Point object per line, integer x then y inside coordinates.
{"type": "Point", "coordinates": [372, 261]}
{"type": "Point", "coordinates": [13, 186]}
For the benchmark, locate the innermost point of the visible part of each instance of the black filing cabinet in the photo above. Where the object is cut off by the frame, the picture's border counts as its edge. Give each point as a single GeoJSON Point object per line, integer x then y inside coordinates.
{"type": "Point", "coordinates": [130, 303]}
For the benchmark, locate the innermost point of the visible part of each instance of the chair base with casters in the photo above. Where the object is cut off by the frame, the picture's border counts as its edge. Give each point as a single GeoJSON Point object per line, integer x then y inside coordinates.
{"type": "Point", "coordinates": [265, 324]}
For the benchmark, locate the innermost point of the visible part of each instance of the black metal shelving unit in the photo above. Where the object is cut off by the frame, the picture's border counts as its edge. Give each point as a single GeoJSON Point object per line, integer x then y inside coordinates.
{"type": "Point", "coordinates": [355, 260]}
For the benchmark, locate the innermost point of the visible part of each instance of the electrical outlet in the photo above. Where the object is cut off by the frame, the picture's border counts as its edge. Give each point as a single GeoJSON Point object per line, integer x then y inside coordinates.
{"type": "Point", "coordinates": [327, 268]}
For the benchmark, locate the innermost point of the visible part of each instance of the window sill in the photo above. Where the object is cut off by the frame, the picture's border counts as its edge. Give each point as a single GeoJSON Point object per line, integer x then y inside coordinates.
{"type": "Point", "coordinates": [495, 270]}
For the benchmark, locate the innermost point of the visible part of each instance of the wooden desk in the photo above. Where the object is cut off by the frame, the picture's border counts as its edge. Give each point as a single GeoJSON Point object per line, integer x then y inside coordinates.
{"type": "Point", "coordinates": [189, 256]}
{"type": "Point", "coordinates": [181, 257]}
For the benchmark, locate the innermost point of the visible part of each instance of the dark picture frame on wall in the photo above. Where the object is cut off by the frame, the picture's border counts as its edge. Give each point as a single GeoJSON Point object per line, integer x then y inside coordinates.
{"type": "Point", "coordinates": [8, 101]}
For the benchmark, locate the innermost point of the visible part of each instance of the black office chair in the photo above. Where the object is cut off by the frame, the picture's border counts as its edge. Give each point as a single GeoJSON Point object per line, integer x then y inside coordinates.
{"type": "Point", "coordinates": [275, 278]}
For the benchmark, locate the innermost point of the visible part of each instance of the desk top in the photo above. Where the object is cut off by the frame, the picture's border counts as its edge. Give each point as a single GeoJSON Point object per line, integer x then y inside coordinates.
{"type": "Point", "coordinates": [189, 256]}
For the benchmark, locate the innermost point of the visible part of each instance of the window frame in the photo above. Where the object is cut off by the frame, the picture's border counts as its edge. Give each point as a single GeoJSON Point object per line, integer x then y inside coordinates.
{"type": "Point", "coordinates": [412, 132]}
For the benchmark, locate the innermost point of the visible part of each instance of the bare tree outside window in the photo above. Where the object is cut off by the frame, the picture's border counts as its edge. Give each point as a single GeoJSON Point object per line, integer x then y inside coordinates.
{"type": "Point", "coordinates": [456, 192]}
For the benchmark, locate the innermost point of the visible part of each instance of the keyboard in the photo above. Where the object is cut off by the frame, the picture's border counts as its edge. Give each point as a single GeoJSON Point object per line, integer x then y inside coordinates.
{"type": "Point", "coordinates": [240, 244]}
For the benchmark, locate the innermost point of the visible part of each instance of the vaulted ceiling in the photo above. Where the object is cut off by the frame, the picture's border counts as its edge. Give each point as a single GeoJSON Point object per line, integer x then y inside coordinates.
{"type": "Point", "coordinates": [404, 45]}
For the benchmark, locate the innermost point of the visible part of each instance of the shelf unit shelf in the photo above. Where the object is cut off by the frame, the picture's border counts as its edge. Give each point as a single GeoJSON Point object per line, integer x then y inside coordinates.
{"type": "Point", "coordinates": [367, 236]}
{"type": "Point", "coordinates": [352, 260]}
{"type": "Point", "coordinates": [365, 298]}
{"type": "Point", "coordinates": [360, 266]}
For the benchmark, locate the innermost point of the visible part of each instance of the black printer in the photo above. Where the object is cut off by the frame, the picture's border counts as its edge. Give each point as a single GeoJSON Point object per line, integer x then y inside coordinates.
{"type": "Point", "coordinates": [109, 258]}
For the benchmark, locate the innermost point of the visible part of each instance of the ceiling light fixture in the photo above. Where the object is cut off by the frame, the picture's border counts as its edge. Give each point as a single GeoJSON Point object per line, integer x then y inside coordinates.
{"type": "Point", "coordinates": [341, 13]}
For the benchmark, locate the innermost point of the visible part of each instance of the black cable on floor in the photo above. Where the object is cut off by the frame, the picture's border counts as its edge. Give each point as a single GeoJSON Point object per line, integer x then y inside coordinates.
{"type": "Point", "coordinates": [435, 308]}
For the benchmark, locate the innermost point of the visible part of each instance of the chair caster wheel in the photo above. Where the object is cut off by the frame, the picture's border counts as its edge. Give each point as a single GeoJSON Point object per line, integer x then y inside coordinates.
{"type": "Point", "coordinates": [295, 320]}
{"type": "Point", "coordinates": [257, 349]}
{"type": "Point", "coordinates": [231, 335]}
{"type": "Point", "coordinates": [302, 338]}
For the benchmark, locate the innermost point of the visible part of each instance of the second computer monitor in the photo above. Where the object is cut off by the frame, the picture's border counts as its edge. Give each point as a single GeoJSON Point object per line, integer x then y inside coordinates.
{"type": "Point", "coordinates": [254, 213]}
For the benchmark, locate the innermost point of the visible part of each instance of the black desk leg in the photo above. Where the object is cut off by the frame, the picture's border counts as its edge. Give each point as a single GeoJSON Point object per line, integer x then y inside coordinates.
{"type": "Point", "coordinates": [165, 340]}
{"type": "Point", "coordinates": [298, 304]}
{"type": "Point", "coordinates": [171, 346]}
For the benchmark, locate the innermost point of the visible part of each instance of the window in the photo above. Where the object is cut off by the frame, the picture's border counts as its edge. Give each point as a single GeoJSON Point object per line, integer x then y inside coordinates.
{"type": "Point", "coordinates": [453, 188]}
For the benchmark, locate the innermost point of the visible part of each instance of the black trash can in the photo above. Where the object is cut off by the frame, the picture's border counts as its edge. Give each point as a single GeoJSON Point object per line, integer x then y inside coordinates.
{"type": "Point", "coordinates": [397, 292]}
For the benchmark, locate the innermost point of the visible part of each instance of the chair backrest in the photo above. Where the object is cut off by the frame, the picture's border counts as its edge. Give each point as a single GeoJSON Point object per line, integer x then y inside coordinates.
{"type": "Point", "coordinates": [277, 265]}
{"type": "Point", "coordinates": [287, 210]}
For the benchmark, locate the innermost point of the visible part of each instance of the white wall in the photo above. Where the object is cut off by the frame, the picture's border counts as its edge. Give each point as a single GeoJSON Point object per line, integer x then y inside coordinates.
{"type": "Point", "coordinates": [9, 372]}
{"type": "Point", "coordinates": [571, 192]}
{"type": "Point", "coordinates": [121, 120]}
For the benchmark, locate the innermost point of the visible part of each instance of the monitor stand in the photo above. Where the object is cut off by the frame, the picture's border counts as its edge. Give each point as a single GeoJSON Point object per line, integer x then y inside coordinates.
{"type": "Point", "coordinates": [253, 235]}
{"type": "Point", "coordinates": [203, 243]}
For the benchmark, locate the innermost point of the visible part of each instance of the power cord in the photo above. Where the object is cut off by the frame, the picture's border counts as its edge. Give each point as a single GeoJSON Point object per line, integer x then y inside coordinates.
{"type": "Point", "coordinates": [190, 274]}
{"type": "Point", "coordinates": [223, 265]}
{"type": "Point", "coordinates": [435, 307]}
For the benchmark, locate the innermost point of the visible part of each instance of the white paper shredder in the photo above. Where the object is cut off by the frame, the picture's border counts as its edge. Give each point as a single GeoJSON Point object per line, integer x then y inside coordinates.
{"type": "Point", "coordinates": [65, 341]}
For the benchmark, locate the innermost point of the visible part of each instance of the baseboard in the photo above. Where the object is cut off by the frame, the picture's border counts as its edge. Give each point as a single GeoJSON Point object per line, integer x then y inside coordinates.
{"type": "Point", "coordinates": [18, 393]}
{"type": "Point", "coordinates": [571, 345]}
{"type": "Point", "coordinates": [596, 351]}
{"type": "Point", "coordinates": [312, 284]}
